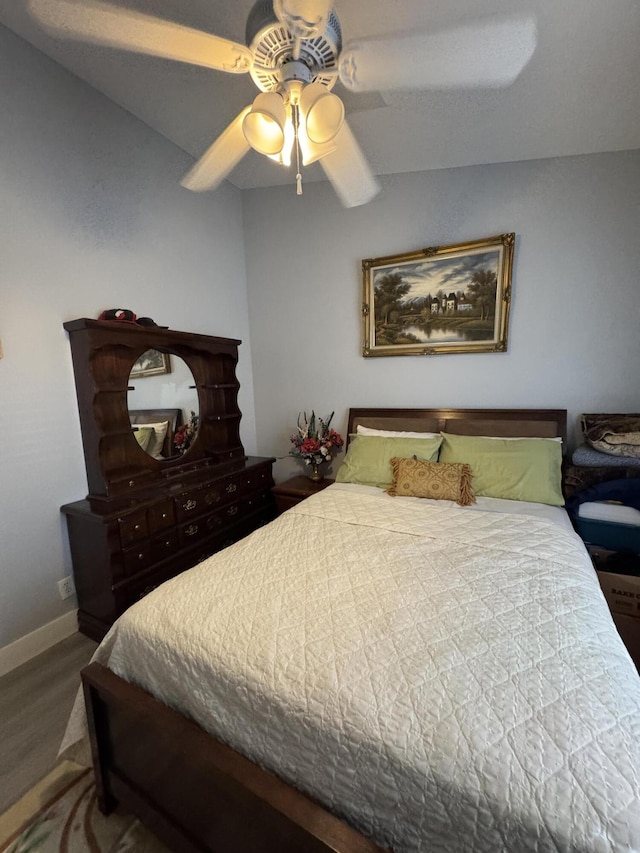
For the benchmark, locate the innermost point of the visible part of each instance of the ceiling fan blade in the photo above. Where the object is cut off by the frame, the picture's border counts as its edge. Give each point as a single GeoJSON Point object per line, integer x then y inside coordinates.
{"type": "Point", "coordinates": [304, 19]}
{"type": "Point", "coordinates": [348, 171]}
{"type": "Point", "coordinates": [487, 53]}
{"type": "Point", "coordinates": [102, 23]}
{"type": "Point", "coordinates": [218, 160]}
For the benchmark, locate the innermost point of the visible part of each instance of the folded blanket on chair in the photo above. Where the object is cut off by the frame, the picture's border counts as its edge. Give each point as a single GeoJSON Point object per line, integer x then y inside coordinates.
{"type": "Point", "coordinates": [617, 435]}
{"type": "Point", "coordinates": [592, 458]}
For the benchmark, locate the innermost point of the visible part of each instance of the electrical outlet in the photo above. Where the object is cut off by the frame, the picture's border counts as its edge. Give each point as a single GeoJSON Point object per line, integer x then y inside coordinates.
{"type": "Point", "coordinates": [66, 587]}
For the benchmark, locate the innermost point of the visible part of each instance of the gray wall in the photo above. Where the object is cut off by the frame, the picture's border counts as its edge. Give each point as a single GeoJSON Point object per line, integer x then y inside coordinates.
{"type": "Point", "coordinates": [573, 339]}
{"type": "Point", "coordinates": [93, 217]}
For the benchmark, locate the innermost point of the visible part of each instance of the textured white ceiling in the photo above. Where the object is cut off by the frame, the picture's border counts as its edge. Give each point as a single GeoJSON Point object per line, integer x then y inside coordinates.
{"type": "Point", "coordinates": [579, 94]}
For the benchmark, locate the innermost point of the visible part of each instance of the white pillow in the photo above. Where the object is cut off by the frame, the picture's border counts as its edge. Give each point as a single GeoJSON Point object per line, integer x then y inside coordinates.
{"type": "Point", "coordinates": [389, 433]}
{"type": "Point", "coordinates": [154, 448]}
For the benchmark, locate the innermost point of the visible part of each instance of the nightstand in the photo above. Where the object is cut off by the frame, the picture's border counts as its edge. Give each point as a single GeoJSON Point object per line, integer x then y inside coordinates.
{"type": "Point", "coordinates": [296, 489]}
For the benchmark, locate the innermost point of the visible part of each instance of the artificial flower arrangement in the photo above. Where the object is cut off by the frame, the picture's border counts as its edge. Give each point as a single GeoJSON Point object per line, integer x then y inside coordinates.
{"type": "Point", "coordinates": [186, 433]}
{"type": "Point", "coordinates": [315, 442]}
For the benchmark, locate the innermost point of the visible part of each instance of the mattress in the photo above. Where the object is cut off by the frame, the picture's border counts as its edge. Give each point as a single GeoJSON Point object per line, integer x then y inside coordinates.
{"type": "Point", "coordinates": [443, 678]}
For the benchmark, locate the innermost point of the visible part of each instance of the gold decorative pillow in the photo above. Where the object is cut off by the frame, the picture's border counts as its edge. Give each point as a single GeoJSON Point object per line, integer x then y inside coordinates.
{"type": "Point", "coordinates": [442, 481]}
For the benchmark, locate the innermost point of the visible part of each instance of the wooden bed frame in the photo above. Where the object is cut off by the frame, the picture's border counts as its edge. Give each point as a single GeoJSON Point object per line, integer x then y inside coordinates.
{"type": "Point", "coordinates": [195, 792]}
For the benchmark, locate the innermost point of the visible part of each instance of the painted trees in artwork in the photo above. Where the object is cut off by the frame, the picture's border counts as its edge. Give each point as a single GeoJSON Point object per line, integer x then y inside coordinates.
{"type": "Point", "coordinates": [389, 291]}
{"type": "Point", "coordinates": [481, 292]}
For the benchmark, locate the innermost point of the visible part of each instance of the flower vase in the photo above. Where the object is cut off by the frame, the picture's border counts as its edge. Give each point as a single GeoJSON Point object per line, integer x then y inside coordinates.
{"type": "Point", "coordinates": [316, 474]}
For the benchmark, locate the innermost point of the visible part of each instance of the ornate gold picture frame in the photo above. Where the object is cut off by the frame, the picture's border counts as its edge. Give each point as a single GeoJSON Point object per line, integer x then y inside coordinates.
{"type": "Point", "coordinates": [151, 363]}
{"type": "Point", "coordinates": [444, 299]}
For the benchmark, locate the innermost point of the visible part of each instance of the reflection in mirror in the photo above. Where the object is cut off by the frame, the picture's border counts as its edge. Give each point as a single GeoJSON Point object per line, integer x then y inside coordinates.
{"type": "Point", "coordinates": [163, 406]}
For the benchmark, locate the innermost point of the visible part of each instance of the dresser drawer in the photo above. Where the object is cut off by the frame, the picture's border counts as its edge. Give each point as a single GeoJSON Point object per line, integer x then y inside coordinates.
{"type": "Point", "coordinates": [190, 504]}
{"type": "Point", "coordinates": [149, 551]}
{"type": "Point", "coordinates": [197, 529]}
{"type": "Point", "coordinates": [260, 479]}
{"type": "Point", "coordinates": [192, 532]}
{"type": "Point", "coordinates": [164, 546]}
{"type": "Point", "coordinates": [137, 558]}
{"type": "Point", "coordinates": [160, 516]}
{"type": "Point", "coordinates": [222, 491]}
{"type": "Point", "coordinates": [232, 487]}
{"type": "Point", "coordinates": [258, 501]}
{"type": "Point", "coordinates": [195, 502]}
{"type": "Point", "coordinates": [133, 527]}
{"type": "Point", "coordinates": [254, 480]}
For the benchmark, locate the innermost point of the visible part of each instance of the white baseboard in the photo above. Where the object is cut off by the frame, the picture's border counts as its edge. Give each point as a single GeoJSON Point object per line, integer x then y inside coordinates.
{"type": "Point", "coordinates": [27, 647]}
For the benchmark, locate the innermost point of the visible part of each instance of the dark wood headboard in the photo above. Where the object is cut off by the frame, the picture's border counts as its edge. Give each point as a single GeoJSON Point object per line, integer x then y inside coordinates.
{"type": "Point", "coordinates": [507, 423]}
{"type": "Point", "coordinates": [156, 416]}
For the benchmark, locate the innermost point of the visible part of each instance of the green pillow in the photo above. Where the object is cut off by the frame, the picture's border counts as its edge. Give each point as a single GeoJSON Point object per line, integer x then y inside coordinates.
{"type": "Point", "coordinates": [143, 436]}
{"type": "Point", "coordinates": [368, 459]}
{"type": "Point", "coordinates": [521, 469]}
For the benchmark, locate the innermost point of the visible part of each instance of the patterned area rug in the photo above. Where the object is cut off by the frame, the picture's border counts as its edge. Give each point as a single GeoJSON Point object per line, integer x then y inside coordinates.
{"type": "Point", "coordinates": [61, 815]}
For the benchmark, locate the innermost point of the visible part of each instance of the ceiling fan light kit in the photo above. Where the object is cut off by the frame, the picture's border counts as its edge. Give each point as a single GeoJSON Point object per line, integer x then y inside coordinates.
{"type": "Point", "coordinates": [264, 124]}
{"type": "Point", "coordinates": [299, 122]}
{"type": "Point", "coordinates": [294, 55]}
{"type": "Point", "coordinates": [323, 111]}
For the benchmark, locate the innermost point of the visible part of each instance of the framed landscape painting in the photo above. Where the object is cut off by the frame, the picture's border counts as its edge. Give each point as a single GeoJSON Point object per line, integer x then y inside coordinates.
{"type": "Point", "coordinates": [445, 299]}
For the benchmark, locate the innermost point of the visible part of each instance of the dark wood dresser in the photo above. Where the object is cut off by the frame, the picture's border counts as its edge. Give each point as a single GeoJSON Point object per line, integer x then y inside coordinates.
{"type": "Point", "coordinates": [145, 519]}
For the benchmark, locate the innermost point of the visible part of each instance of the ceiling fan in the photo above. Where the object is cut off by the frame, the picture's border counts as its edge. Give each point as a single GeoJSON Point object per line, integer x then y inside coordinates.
{"type": "Point", "coordinates": [295, 57]}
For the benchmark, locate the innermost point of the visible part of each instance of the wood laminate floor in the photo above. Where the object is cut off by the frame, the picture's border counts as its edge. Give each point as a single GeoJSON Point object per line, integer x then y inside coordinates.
{"type": "Point", "coordinates": [35, 701]}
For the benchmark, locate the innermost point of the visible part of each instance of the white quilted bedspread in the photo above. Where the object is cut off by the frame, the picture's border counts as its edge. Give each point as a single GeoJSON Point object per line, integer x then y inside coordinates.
{"type": "Point", "coordinates": [445, 679]}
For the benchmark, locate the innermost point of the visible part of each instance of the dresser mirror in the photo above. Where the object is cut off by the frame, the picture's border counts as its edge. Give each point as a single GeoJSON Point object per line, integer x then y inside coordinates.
{"type": "Point", "coordinates": [163, 405]}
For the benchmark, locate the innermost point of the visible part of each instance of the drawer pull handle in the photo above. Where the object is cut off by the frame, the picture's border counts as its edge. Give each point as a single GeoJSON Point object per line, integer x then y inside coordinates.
{"type": "Point", "coordinates": [132, 483]}
{"type": "Point", "coordinates": [214, 522]}
{"type": "Point", "coordinates": [189, 505]}
{"type": "Point", "coordinates": [232, 510]}
{"type": "Point", "coordinates": [212, 497]}
{"type": "Point", "coordinates": [167, 544]}
{"type": "Point", "coordinates": [191, 530]}
{"type": "Point", "coordinates": [164, 515]}
{"type": "Point", "coordinates": [141, 556]}
{"type": "Point", "coordinates": [136, 527]}
{"type": "Point", "coordinates": [231, 488]}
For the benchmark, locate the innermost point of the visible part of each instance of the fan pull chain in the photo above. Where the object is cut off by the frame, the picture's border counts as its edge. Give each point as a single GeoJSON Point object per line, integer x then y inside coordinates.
{"type": "Point", "coordinates": [295, 117]}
